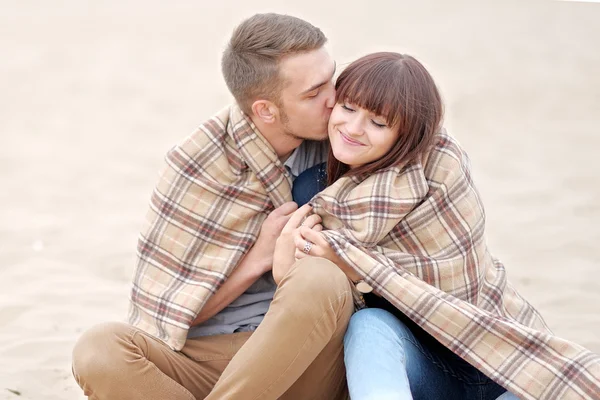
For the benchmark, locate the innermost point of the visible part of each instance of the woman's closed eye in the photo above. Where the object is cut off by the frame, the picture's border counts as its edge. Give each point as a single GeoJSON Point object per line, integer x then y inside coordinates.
{"type": "Point", "coordinates": [347, 107]}
{"type": "Point", "coordinates": [378, 124]}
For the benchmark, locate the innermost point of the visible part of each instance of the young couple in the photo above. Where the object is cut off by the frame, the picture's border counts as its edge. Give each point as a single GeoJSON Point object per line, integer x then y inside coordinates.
{"type": "Point", "coordinates": [238, 293]}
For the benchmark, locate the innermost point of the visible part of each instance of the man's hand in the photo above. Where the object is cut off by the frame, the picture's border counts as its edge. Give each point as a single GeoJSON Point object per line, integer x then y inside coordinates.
{"type": "Point", "coordinates": [283, 258]}
{"type": "Point", "coordinates": [270, 230]}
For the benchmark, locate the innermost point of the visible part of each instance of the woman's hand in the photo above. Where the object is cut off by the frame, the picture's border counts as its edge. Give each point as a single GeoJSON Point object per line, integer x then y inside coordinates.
{"type": "Point", "coordinates": [313, 239]}
{"type": "Point", "coordinates": [283, 257]}
{"type": "Point", "coordinates": [319, 247]}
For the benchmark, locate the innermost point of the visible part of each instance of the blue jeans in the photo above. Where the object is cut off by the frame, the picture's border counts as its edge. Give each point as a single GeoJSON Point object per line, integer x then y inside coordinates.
{"type": "Point", "coordinates": [391, 358]}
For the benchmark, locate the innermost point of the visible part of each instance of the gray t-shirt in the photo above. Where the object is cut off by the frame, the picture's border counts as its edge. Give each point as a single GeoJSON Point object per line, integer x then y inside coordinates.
{"type": "Point", "coordinates": [247, 311]}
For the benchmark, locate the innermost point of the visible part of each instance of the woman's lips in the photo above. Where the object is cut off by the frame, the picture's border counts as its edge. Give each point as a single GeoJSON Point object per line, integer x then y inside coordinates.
{"type": "Point", "coordinates": [350, 141]}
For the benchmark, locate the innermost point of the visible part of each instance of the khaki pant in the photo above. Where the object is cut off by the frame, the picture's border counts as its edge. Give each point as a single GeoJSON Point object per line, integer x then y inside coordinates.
{"type": "Point", "coordinates": [296, 352]}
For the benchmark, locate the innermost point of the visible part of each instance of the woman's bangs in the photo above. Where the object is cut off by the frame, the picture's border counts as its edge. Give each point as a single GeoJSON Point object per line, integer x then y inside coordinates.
{"type": "Point", "coordinates": [372, 90]}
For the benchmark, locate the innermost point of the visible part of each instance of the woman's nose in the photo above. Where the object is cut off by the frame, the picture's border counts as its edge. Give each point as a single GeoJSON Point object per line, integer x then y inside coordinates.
{"type": "Point", "coordinates": [354, 125]}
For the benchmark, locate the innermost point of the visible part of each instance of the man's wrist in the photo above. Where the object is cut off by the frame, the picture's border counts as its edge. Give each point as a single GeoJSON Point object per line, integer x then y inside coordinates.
{"type": "Point", "coordinates": [258, 264]}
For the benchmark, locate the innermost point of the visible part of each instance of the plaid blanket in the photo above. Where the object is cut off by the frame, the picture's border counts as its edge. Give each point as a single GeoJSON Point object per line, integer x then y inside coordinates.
{"type": "Point", "coordinates": [215, 191]}
{"type": "Point", "coordinates": [416, 233]}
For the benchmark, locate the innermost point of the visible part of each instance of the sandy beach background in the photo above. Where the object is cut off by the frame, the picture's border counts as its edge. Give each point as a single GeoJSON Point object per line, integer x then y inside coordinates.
{"type": "Point", "coordinates": [94, 93]}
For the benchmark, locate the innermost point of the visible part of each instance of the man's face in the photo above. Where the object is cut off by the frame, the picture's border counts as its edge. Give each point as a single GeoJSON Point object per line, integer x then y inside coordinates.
{"type": "Point", "coordinates": [308, 94]}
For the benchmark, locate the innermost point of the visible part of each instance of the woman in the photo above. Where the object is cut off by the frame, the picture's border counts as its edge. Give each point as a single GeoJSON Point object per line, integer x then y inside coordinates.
{"type": "Point", "coordinates": [401, 216]}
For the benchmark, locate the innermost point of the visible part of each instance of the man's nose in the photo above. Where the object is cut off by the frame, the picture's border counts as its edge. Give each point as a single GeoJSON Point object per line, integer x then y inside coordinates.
{"type": "Point", "coordinates": [330, 102]}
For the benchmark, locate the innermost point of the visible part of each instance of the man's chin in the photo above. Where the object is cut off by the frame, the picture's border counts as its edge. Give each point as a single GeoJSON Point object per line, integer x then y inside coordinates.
{"type": "Point", "coordinates": [314, 137]}
{"type": "Point", "coordinates": [320, 138]}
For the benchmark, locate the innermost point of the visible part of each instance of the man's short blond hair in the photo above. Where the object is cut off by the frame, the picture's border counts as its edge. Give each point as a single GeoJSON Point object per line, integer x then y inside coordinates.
{"type": "Point", "coordinates": [250, 62]}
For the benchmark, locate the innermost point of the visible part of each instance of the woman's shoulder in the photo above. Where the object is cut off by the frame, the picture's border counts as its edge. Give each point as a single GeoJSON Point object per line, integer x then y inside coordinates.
{"type": "Point", "coordinates": [446, 158]}
{"type": "Point", "coordinates": [445, 146]}
{"type": "Point", "coordinates": [447, 143]}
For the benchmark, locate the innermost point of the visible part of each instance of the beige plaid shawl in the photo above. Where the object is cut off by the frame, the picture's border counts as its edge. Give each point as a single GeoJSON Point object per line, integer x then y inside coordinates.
{"type": "Point", "coordinates": [417, 236]}
{"type": "Point", "coordinates": [216, 189]}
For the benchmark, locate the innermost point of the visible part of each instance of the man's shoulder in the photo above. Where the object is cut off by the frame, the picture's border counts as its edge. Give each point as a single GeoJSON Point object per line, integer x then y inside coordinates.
{"type": "Point", "coordinates": [218, 121]}
{"type": "Point", "coordinates": [210, 134]}
{"type": "Point", "coordinates": [214, 126]}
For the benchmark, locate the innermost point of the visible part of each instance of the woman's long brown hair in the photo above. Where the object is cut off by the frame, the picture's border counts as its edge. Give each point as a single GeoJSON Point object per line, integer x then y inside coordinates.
{"type": "Point", "coordinates": [400, 89]}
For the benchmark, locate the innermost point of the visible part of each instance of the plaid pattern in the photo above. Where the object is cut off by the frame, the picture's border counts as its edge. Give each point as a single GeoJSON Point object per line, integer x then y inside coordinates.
{"type": "Point", "coordinates": [214, 193]}
{"type": "Point", "coordinates": [416, 233]}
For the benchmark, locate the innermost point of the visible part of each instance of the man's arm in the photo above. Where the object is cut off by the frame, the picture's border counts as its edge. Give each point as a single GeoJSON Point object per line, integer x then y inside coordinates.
{"type": "Point", "coordinates": [247, 272]}
{"type": "Point", "coordinates": [255, 263]}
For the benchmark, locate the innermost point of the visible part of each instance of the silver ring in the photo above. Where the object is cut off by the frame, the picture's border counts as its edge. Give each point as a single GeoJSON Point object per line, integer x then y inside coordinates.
{"type": "Point", "coordinates": [307, 247]}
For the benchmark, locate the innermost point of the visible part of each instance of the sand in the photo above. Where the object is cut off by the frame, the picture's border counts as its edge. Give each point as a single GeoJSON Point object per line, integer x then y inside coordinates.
{"type": "Point", "coordinates": [93, 95]}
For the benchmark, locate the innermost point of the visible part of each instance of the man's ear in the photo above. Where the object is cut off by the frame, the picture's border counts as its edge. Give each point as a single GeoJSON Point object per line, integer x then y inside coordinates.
{"type": "Point", "coordinates": [266, 111]}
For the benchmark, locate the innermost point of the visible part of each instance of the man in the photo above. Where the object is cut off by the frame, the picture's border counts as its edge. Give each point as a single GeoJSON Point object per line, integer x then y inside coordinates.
{"type": "Point", "coordinates": [205, 254]}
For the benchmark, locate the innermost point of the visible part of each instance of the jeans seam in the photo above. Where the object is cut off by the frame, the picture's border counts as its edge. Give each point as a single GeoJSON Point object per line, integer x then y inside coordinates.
{"type": "Point", "coordinates": [211, 358]}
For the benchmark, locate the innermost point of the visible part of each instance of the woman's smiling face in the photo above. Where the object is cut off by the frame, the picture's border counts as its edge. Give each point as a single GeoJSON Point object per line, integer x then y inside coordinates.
{"type": "Point", "coordinates": [359, 136]}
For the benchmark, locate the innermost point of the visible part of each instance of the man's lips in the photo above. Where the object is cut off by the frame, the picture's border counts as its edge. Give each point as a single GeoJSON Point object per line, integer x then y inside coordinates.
{"type": "Point", "coordinates": [350, 141]}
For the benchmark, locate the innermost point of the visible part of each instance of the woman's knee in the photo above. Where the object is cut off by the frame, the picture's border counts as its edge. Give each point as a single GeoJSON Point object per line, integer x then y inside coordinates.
{"type": "Point", "coordinates": [377, 324]}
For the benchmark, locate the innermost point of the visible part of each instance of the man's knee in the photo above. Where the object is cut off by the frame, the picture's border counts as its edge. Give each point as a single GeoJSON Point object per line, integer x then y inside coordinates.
{"type": "Point", "coordinates": [313, 285]}
{"type": "Point", "coordinates": [100, 351]}
{"type": "Point", "coordinates": [319, 276]}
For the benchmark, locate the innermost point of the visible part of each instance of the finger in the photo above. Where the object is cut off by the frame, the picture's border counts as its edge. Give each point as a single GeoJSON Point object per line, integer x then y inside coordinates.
{"type": "Point", "coordinates": [297, 217]}
{"type": "Point", "coordinates": [300, 254]}
{"type": "Point", "coordinates": [286, 208]}
{"type": "Point", "coordinates": [312, 236]}
{"type": "Point", "coordinates": [299, 240]}
{"type": "Point", "coordinates": [311, 220]}
{"type": "Point", "coordinates": [317, 227]}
